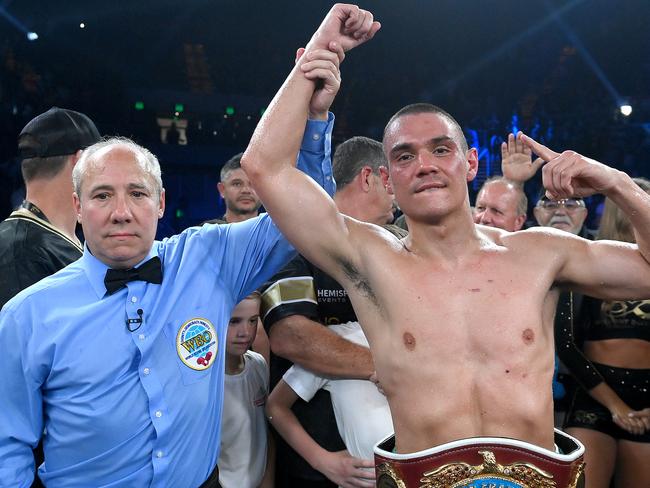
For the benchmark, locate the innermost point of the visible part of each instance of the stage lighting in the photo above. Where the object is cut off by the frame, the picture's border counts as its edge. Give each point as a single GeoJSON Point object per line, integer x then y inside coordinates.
{"type": "Point", "coordinates": [179, 107]}
{"type": "Point", "coordinates": [82, 26]}
{"type": "Point", "coordinates": [626, 109]}
{"type": "Point", "coordinates": [139, 105]}
{"type": "Point", "coordinates": [230, 110]}
{"type": "Point", "coordinates": [32, 36]}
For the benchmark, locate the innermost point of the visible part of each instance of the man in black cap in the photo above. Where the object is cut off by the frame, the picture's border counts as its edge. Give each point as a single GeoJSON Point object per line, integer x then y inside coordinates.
{"type": "Point", "coordinates": [39, 238]}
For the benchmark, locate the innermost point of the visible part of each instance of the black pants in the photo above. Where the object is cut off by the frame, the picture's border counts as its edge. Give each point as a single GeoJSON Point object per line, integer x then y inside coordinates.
{"type": "Point", "coordinates": [213, 479]}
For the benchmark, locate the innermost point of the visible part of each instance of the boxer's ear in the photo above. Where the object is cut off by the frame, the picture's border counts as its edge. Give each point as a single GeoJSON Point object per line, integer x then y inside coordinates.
{"type": "Point", "coordinates": [385, 179]}
{"type": "Point", "coordinates": [472, 163]}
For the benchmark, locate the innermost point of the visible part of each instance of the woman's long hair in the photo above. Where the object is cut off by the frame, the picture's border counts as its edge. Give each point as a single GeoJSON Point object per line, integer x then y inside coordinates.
{"type": "Point", "coordinates": [614, 224]}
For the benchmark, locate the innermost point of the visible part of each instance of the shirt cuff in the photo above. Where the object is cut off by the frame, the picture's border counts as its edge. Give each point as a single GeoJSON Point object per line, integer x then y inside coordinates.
{"type": "Point", "coordinates": [315, 156]}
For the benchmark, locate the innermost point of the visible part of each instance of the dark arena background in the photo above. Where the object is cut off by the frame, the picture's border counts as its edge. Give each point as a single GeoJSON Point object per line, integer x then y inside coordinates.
{"type": "Point", "coordinates": [574, 74]}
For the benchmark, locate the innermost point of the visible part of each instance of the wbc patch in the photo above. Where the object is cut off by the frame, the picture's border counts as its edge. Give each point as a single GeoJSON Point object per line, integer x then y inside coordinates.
{"type": "Point", "coordinates": [196, 343]}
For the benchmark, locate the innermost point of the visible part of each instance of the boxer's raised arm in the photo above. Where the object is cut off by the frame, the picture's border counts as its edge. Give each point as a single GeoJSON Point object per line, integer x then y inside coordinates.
{"type": "Point", "coordinates": [302, 210]}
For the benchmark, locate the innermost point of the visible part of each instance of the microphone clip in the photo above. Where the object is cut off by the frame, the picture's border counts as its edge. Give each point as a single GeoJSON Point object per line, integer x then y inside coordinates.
{"type": "Point", "coordinates": [131, 323]}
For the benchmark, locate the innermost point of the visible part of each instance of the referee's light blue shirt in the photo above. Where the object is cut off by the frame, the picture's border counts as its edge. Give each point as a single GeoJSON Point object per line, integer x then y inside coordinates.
{"type": "Point", "coordinates": [143, 408]}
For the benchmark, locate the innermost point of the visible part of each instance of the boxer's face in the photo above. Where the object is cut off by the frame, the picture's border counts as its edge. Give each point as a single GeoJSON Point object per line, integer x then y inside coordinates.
{"type": "Point", "coordinates": [429, 166]}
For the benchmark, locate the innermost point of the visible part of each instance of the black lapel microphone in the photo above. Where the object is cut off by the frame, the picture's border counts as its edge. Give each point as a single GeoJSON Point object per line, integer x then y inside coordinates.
{"type": "Point", "coordinates": [130, 323]}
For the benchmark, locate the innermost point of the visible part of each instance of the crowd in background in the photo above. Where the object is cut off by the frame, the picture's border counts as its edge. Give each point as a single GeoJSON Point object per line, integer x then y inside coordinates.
{"type": "Point", "coordinates": [29, 86]}
{"type": "Point", "coordinates": [280, 348]}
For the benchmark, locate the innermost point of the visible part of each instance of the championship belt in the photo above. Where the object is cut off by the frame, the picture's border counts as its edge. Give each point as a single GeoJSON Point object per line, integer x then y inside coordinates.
{"type": "Point", "coordinates": [482, 462]}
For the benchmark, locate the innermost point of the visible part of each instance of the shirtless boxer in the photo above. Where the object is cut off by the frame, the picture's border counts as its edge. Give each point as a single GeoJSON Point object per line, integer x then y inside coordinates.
{"type": "Point", "coordinates": [459, 316]}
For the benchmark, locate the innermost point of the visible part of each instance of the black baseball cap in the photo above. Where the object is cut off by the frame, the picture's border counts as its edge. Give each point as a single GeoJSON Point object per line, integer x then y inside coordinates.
{"type": "Point", "coordinates": [57, 132]}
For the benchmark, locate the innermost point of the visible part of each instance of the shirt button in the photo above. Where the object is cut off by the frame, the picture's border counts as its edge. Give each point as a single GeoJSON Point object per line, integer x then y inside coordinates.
{"type": "Point", "coordinates": [328, 178]}
{"type": "Point", "coordinates": [141, 337]}
{"type": "Point", "coordinates": [158, 413]}
{"type": "Point", "coordinates": [134, 299]}
{"type": "Point", "coordinates": [159, 454]}
{"type": "Point", "coordinates": [316, 137]}
{"type": "Point", "coordinates": [146, 371]}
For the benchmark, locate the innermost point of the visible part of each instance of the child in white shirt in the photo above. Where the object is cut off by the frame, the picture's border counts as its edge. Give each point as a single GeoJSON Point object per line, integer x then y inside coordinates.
{"type": "Point", "coordinates": [244, 461]}
{"type": "Point", "coordinates": [361, 411]}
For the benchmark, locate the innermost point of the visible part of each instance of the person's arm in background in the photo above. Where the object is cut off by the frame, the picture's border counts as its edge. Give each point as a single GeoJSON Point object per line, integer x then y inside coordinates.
{"type": "Point", "coordinates": [339, 467]}
{"type": "Point", "coordinates": [290, 315]}
{"type": "Point", "coordinates": [315, 347]}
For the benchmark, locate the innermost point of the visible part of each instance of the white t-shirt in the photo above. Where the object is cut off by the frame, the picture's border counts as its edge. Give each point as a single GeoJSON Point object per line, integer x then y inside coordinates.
{"type": "Point", "coordinates": [242, 459]}
{"type": "Point", "coordinates": [361, 411]}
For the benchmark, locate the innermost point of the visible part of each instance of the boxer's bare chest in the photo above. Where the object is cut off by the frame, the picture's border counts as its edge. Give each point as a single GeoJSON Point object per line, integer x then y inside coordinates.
{"type": "Point", "coordinates": [492, 302]}
{"type": "Point", "coordinates": [460, 335]}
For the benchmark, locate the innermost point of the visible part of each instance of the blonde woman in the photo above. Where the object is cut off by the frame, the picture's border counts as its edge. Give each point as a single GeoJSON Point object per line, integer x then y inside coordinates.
{"type": "Point", "coordinates": [610, 412]}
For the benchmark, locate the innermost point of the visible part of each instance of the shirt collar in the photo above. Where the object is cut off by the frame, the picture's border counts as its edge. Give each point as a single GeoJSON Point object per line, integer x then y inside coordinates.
{"type": "Point", "coordinates": [96, 270]}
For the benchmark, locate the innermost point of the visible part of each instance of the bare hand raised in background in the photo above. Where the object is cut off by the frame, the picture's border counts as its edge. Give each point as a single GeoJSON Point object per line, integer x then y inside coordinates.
{"type": "Point", "coordinates": [517, 160]}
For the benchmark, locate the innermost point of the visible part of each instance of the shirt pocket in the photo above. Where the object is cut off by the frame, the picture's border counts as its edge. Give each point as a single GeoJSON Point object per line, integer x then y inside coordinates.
{"type": "Point", "coordinates": [195, 346]}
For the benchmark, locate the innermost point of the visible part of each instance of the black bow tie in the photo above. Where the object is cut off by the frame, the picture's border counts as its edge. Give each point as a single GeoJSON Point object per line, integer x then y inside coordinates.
{"type": "Point", "coordinates": [150, 271]}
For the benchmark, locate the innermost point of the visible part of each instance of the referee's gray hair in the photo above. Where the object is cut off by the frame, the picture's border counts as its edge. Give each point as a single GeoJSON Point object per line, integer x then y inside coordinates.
{"type": "Point", "coordinates": [145, 159]}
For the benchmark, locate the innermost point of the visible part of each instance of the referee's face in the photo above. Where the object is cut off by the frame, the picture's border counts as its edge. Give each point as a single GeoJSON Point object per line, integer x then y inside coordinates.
{"type": "Point", "coordinates": [118, 208]}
